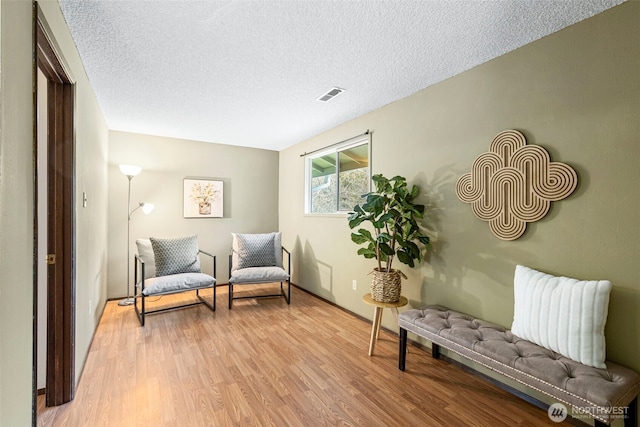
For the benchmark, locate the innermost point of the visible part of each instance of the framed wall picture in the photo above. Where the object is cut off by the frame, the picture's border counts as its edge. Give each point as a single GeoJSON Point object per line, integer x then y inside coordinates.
{"type": "Point", "coordinates": [203, 198]}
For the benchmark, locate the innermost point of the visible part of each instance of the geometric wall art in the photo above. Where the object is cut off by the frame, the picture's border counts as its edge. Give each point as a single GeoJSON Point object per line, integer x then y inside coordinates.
{"type": "Point", "coordinates": [513, 184]}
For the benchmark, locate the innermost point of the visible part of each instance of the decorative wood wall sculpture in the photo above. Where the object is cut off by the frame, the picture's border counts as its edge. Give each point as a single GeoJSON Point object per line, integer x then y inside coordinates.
{"type": "Point", "coordinates": [513, 184]}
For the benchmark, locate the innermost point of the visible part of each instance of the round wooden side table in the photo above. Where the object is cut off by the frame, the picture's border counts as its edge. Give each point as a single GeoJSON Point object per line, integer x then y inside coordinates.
{"type": "Point", "coordinates": [377, 315]}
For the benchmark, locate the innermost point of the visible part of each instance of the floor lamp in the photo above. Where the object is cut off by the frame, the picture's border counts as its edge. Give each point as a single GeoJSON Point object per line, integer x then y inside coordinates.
{"type": "Point", "coordinates": [130, 171]}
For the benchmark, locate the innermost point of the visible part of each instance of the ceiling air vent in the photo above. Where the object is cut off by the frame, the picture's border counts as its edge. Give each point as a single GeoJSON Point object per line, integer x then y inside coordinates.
{"type": "Point", "coordinates": [331, 94]}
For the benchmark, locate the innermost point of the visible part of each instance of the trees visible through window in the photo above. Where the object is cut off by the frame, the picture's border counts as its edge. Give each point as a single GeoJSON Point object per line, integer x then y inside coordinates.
{"type": "Point", "coordinates": [337, 177]}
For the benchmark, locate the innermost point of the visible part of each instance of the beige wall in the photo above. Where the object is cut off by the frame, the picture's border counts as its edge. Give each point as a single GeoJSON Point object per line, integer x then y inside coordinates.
{"type": "Point", "coordinates": [16, 213]}
{"type": "Point", "coordinates": [250, 179]}
{"type": "Point", "coordinates": [576, 93]}
{"type": "Point", "coordinates": [17, 209]}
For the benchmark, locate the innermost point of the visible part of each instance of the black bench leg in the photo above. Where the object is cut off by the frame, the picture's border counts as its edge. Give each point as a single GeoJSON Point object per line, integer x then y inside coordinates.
{"type": "Point", "coordinates": [631, 416]}
{"type": "Point", "coordinates": [435, 350]}
{"type": "Point", "coordinates": [631, 420]}
{"type": "Point", "coordinates": [402, 356]}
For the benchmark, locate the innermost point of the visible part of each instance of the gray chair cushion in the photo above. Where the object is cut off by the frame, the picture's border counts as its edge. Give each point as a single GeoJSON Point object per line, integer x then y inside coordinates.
{"type": "Point", "coordinates": [177, 283]}
{"type": "Point", "coordinates": [174, 256]}
{"type": "Point", "coordinates": [258, 275]}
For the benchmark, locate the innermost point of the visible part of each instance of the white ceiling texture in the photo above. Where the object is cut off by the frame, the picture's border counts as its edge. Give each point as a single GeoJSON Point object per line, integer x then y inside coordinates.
{"type": "Point", "coordinates": [249, 73]}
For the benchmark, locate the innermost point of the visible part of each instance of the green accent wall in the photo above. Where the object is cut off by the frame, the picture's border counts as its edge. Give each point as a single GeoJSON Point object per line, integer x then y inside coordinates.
{"type": "Point", "coordinates": [577, 94]}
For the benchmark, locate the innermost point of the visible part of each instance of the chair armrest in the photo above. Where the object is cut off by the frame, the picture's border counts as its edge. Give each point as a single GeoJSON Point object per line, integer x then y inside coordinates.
{"type": "Point", "coordinates": [288, 259]}
{"type": "Point", "coordinates": [213, 257]}
{"type": "Point", "coordinates": [140, 262]}
{"type": "Point", "coordinates": [206, 253]}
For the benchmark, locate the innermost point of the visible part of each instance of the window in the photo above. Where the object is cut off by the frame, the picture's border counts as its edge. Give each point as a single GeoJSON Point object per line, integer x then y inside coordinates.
{"type": "Point", "coordinates": [338, 176]}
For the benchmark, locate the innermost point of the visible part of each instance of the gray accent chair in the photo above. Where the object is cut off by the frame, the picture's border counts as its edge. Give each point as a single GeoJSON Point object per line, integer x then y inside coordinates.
{"type": "Point", "coordinates": [184, 275]}
{"type": "Point", "coordinates": [258, 259]}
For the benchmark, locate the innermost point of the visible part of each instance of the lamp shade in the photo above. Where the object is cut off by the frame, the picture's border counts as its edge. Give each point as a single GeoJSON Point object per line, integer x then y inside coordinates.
{"type": "Point", "coordinates": [130, 170]}
{"type": "Point", "coordinates": [147, 207]}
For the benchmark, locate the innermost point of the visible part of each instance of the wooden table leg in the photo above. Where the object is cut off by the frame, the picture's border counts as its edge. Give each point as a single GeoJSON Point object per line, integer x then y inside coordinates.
{"type": "Point", "coordinates": [377, 315]}
{"type": "Point", "coordinates": [375, 328]}
{"type": "Point", "coordinates": [378, 320]}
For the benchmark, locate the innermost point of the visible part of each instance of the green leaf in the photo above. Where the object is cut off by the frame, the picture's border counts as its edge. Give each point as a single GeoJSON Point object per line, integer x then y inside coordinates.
{"type": "Point", "coordinates": [375, 201]}
{"type": "Point", "coordinates": [395, 213]}
{"type": "Point", "coordinates": [353, 223]}
{"type": "Point", "coordinates": [386, 249]}
{"type": "Point", "coordinates": [378, 178]}
{"type": "Point", "coordinates": [405, 258]}
{"type": "Point", "coordinates": [412, 249]}
{"type": "Point", "coordinates": [367, 253]}
{"type": "Point", "coordinates": [358, 239]}
{"type": "Point", "coordinates": [366, 234]}
{"type": "Point", "coordinates": [385, 217]}
{"type": "Point", "coordinates": [383, 238]}
{"type": "Point", "coordinates": [379, 224]}
{"type": "Point", "coordinates": [424, 240]}
{"type": "Point", "coordinates": [398, 180]}
{"type": "Point", "coordinates": [409, 228]}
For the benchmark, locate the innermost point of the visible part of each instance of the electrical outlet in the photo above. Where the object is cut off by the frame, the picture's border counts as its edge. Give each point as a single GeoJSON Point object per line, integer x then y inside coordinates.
{"type": "Point", "coordinates": [354, 285]}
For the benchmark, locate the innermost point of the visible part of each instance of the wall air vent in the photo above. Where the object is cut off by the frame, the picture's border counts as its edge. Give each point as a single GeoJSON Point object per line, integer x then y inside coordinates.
{"type": "Point", "coordinates": [331, 94]}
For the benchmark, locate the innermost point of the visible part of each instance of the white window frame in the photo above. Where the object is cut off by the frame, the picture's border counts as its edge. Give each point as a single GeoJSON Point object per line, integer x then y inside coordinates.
{"type": "Point", "coordinates": [336, 148]}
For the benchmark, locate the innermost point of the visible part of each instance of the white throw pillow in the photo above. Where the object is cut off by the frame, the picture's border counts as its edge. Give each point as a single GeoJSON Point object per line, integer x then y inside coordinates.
{"type": "Point", "coordinates": [562, 314]}
{"type": "Point", "coordinates": [145, 252]}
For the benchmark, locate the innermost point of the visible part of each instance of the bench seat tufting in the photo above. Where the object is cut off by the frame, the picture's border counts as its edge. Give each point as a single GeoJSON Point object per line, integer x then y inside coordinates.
{"type": "Point", "coordinates": [587, 389]}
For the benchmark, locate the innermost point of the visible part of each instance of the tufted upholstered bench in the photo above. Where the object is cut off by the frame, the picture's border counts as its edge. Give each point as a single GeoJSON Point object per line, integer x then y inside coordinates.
{"type": "Point", "coordinates": [604, 394]}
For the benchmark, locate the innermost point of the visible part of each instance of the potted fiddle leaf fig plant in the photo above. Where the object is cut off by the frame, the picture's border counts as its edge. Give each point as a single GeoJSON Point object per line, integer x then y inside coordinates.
{"type": "Point", "coordinates": [394, 216]}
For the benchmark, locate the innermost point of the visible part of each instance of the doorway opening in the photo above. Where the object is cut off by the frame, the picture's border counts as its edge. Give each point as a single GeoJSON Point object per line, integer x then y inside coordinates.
{"type": "Point", "coordinates": [56, 124]}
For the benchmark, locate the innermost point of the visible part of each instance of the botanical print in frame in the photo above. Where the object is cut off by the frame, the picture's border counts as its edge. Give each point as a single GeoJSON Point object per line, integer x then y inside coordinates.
{"type": "Point", "coordinates": [203, 198]}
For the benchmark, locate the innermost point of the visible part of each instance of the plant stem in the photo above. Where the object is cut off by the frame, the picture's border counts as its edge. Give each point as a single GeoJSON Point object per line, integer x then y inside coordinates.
{"type": "Point", "coordinates": [393, 245]}
{"type": "Point", "coordinates": [389, 257]}
{"type": "Point", "coordinates": [378, 250]}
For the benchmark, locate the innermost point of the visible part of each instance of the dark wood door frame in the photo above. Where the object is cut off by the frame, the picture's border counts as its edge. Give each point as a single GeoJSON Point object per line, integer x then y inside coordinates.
{"type": "Point", "coordinates": [60, 382]}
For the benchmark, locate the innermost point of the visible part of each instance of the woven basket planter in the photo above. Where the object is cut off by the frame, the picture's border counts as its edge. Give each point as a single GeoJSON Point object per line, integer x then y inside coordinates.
{"type": "Point", "coordinates": [385, 286]}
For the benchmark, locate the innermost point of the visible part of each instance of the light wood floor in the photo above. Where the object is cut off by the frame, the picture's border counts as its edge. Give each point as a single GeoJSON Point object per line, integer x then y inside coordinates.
{"type": "Point", "coordinates": [265, 363]}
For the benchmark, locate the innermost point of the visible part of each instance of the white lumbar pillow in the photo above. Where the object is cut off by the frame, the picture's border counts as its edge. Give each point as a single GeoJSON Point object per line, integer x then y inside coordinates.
{"type": "Point", "coordinates": [562, 314]}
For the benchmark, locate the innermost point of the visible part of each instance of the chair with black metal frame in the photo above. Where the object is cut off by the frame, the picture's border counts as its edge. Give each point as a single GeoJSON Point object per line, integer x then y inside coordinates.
{"type": "Point", "coordinates": [152, 285]}
{"type": "Point", "coordinates": [258, 259]}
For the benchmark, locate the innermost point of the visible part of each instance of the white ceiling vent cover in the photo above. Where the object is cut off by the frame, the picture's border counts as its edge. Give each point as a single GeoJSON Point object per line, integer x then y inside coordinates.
{"type": "Point", "coordinates": [331, 94]}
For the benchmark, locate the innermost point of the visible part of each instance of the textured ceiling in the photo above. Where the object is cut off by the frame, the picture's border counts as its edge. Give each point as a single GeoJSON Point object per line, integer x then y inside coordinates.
{"type": "Point", "coordinates": [249, 72]}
